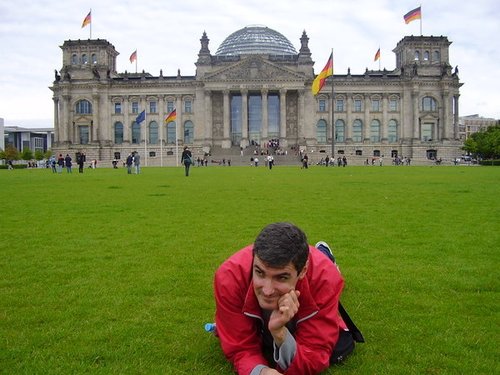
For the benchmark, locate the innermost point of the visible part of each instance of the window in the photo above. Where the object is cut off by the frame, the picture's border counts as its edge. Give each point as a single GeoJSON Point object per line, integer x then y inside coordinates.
{"type": "Point", "coordinates": [94, 59]}
{"type": "Point", "coordinates": [321, 131]}
{"type": "Point", "coordinates": [426, 56]}
{"type": "Point", "coordinates": [170, 106]}
{"type": "Point", "coordinates": [118, 133]}
{"type": "Point", "coordinates": [340, 105]}
{"type": "Point", "coordinates": [322, 105]}
{"type": "Point", "coordinates": [84, 134]}
{"type": "Point", "coordinates": [426, 132]}
{"type": "Point", "coordinates": [357, 131]}
{"type": "Point", "coordinates": [375, 105]}
{"type": "Point", "coordinates": [393, 104]}
{"type": "Point", "coordinates": [435, 56]}
{"type": "Point", "coordinates": [273, 116]}
{"type": "Point", "coordinates": [339, 131]}
{"type": "Point", "coordinates": [188, 132]}
{"type": "Point", "coordinates": [117, 155]}
{"type": "Point", "coordinates": [136, 133]}
{"type": "Point", "coordinates": [254, 117]}
{"type": "Point", "coordinates": [85, 60]}
{"type": "Point", "coordinates": [417, 55]}
{"type": "Point", "coordinates": [392, 131]}
{"type": "Point", "coordinates": [152, 107]}
{"type": "Point", "coordinates": [431, 154]}
{"type": "Point", "coordinates": [83, 107]}
{"type": "Point", "coordinates": [428, 104]}
{"type": "Point", "coordinates": [152, 154]}
{"type": "Point", "coordinates": [135, 107]}
{"type": "Point", "coordinates": [171, 133]}
{"type": "Point", "coordinates": [153, 133]}
{"type": "Point", "coordinates": [394, 153]}
{"type": "Point", "coordinates": [188, 106]}
{"type": "Point", "coordinates": [74, 59]}
{"type": "Point", "coordinates": [358, 105]}
{"type": "Point", "coordinates": [359, 152]}
{"type": "Point", "coordinates": [376, 153]}
{"type": "Point", "coordinates": [375, 131]}
{"type": "Point", "coordinates": [118, 108]}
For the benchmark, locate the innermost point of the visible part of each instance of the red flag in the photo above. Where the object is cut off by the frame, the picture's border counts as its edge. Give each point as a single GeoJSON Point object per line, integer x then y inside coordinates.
{"type": "Point", "coordinates": [320, 80]}
{"type": "Point", "coordinates": [133, 56]}
{"type": "Point", "coordinates": [87, 20]}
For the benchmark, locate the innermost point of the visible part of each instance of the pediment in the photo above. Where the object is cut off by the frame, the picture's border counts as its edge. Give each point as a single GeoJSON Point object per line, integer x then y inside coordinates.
{"type": "Point", "coordinates": [254, 68]}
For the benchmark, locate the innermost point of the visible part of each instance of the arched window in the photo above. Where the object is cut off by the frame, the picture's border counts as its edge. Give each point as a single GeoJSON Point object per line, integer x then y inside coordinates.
{"type": "Point", "coordinates": [171, 133]}
{"type": "Point", "coordinates": [118, 133]}
{"type": "Point", "coordinates": [428, 104]}
{"type": "Point", "coordinates": [153, 133]}
{"type": "Point", "coordinates": [94, 58]}
{"type": "Point", "coordinates": [340, 131]}
{"type": "Point", "coordinates": [136, 133]}
{"type": "Point", "coordinates": [375, 131]}
{"type": "Point", "coordinates": [392, 131]}
{"type": "Point", "coordinates": [188, 132]}
{"type": "Point", "coordinates": [357, 131]}
{"type": "Point", "coordinates": [426, 56]}
{"type": "Point", "coordinates": [74, 59]}
{"type": "Point", "coordinates": [321, 131]}
{"type": "Point", "coordinates": [435, 56]}
{"type": "Point", "coordinates": [417, 55]}
{"type": "Point", "coordinates": [83, 107]}
{"type": "Point", "coordinates": [85, 60]}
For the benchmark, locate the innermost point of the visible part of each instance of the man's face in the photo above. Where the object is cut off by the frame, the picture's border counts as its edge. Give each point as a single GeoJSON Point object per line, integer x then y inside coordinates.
{"type": "Point", "coordinates": [271, 283]}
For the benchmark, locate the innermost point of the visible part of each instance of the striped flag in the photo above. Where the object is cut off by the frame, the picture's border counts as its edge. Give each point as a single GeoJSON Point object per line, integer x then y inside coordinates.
{"type": "Point", "coordinates": [412, 15]}
{"type": "Point", "coordinates": [320, 80]}
{"type": "Point", "coordinates": [87, 20]}
{"type": "Point", "coordinates": [377, 55]}
{"type": "Point", "coordinates": [171, 116]}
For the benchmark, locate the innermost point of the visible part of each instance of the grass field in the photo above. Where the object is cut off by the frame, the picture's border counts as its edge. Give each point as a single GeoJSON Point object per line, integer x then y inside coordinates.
{"type": "Point", "coordinates": [106, 272]}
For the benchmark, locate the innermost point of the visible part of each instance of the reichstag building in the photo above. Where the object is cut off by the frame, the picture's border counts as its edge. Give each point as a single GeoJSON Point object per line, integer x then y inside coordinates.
{"type": "Point", "coordinates": [255, 90]}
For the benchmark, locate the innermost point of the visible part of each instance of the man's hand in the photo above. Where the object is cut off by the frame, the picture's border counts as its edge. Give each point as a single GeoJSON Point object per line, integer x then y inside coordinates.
{"type": "Point", "coordinates": [288, 305]}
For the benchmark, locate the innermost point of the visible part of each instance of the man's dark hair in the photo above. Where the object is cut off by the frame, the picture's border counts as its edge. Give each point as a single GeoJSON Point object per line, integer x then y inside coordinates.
{"type": "Point", "coordinates": [281, 243]}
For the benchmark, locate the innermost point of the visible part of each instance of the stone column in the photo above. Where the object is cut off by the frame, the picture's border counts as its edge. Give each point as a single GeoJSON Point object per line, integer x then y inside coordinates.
{"type": "Point", "coordinates": [415, 123]}
{"type": "Point", "coordinates": [283, 114]}
{"type": "Point", "coordinates": [301, 120]}
{"type": "Point", "coordinates": [161, 122]}
{"type": "Point", "coordinates": [244, 120]}
{"type": "Point", "coordinates": [445, 117]}
{"type": "Point", "coordinates": [226, 120]}
{"type": "Point", "coordinates": [384, 130]}
{"type": "Point", "coordinates": [179, 128]}
{"type": "Point", "coordinates": [348, 125]}
{"type": "Point", "coordinates": [56, 119]}
{"type": "Point", "coordinates": [144, 125]}
{"type": "Point", "coordinates": [67, 125]}
{"type": "Point", "coordinates": [456, 118]}
{"type": "Point", "coordinates": [366, 119]}
{"type": "Point", "coordinates": [127, 133]}
{"type": "Point", "coordinates": [265, 116]}
{"type": "Point", "coordinates": [208, 118]}
{"type": "Point", "coordinates": [94, 127]}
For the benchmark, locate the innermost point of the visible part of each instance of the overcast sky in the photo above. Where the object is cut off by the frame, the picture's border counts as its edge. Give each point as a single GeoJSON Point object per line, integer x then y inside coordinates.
{"type": "Point", "coordinates": [167, 36]}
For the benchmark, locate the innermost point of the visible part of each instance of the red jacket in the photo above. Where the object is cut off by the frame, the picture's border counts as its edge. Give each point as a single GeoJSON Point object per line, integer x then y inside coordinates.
{"type": "Point", "coordinates": [238, 314]}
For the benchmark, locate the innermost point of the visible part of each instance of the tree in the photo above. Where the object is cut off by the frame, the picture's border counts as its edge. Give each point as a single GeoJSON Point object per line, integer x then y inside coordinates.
{"type": "Point", "coordinates": [484, 144]}
{"type": "Point", "coordinates": [11, 153]}
{"type": "Point", "coordinates": [27, 154]}
{"type": "Point", "coordinates": [38, 155]}
{"type": "Point", "coordinates": [48, 154]}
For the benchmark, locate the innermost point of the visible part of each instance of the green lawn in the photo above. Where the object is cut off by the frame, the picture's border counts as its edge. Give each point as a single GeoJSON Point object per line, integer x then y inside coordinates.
{"type": "Point", "coordinates": [112, 273]}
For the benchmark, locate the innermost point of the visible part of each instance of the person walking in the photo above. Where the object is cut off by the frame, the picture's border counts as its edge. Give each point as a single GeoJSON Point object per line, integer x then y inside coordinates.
{"type": "Point", "coordinates": [129, 163]}
{"type": "Point", "coordinates": [186, 159]}
{"type": "Point", "coordinates": [137, 162]}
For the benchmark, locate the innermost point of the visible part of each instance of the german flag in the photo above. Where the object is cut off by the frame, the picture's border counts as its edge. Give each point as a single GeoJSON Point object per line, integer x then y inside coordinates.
{"type": "Point", "coordinates": [320, 80]}
{"type": "Point", "coordinates": [412, 15]}
{"type": "Point", "coordinates": [87, 20]}
{"type": "Point", "coordinates": [171, 116]}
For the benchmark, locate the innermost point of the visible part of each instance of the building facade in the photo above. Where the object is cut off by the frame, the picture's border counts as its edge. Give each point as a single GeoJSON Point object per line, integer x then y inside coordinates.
{"type": "Point", "coordinates": [471, 124]}
{"type": "Point", "coordinates": [256, 91]}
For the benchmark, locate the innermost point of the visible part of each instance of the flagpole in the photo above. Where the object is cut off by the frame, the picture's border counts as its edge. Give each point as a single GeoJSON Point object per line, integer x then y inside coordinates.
{"type": "Point", "coordinates": [379, 58]}
{"type": "Point", "coordinates": [90, 23]}
{"type": "Point", "coordinates": [421, 34]}
{"type": "Point", "coordinates": [136, 61]}
{"type": "Point", "coordinates": [145, 141]}
{"type": "Point", "coordinates": [161, 146]}
{"type": "Point", "coordinates": [333, 117]}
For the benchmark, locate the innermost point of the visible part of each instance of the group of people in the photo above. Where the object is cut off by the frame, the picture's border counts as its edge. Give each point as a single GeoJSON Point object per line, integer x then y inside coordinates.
{"type": "Point", "coordinates": [133, 161]}
{"type": "Point", "coordinates": [57, 164]}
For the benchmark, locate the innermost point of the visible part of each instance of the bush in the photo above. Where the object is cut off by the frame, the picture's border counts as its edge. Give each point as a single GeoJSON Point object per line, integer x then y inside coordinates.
{"type": "Point", "coordinates": [16, 166]}
{"type": "Point", "coordinates": [495, 162]}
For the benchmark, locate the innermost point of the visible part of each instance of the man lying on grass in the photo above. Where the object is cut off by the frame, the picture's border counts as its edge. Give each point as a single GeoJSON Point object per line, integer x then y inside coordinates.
{"type": "Point", "coordinates": [277, 306]}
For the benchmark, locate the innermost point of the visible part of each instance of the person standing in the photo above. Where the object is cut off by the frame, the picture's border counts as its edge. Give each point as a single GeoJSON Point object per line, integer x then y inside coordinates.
{"type": "Point", "coordinates": [60, 163]}
{"type": "Point", "coordinates": [67, 162]}
{"type": "Point", "coordinates": [186, 159]}
{"type": "Point", "coordinates": [270, 161]}
{"type": "Point", "coordinates": [129, 163]}
{"type": "Point", "coordinates": [137, 162]}
{"type": "Point", "coordinates": [305, 161]}
{"type": "Point", "coordinates": [80, 161]}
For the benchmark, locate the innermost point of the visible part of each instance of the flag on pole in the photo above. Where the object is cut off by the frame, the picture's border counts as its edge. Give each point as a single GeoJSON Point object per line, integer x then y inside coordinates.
{"type": "Point", "coordinates": [141, 117]}
{"type": "Point", "coordinates": [377, 55]}
{"type": "Point", "coordinates": [320, 80]}
{"type": "Point", "coordinates": [133, 56]}
{"type": "Point", "coordinates": [171, 116]}
{"type": "Point", "coordinates": [412, 15]}
{"type": "Point", "coordinates": [87, 20]}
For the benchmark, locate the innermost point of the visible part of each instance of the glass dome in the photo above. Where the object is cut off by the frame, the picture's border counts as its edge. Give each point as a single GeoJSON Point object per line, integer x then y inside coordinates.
{"type": "Point", "coordinates": [255, 40]}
